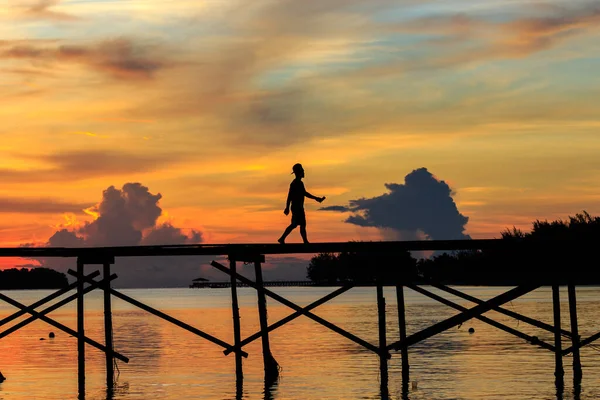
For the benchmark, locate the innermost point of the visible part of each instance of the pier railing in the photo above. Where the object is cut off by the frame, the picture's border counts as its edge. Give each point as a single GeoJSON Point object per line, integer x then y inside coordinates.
{"type": "Point", "coordinates": [255, 254]}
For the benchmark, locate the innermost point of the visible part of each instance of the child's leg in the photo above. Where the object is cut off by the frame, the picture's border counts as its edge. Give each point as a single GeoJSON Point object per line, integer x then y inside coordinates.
{"type": "Point", "coordinates": [288, 230]}
{"type": "Point", "coordinates": [303, 233]}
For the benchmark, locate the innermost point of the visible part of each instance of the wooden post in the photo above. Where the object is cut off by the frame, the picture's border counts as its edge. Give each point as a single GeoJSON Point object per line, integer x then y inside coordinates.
{"type": "Point", "coordinates": [108, 329]}
{"type": "Point", "coordinates": [80, 330]}
{"type": "Point", "coordinates": [577, 373]}
{"type": "Point", "coordinates": [301, 310]}
{"type": "Point", "coordinates": [402, 328]}
{"type": "Point", "coordinates": [383, 352]}
{"type": "Point", "coordinates": [237, 335]}
{"type": "Point", "coordinates": [271, 366]}
{"type": "Point", "coordinates": [559, 372]}
{"type": "Point", "coordinates": [290, 317]}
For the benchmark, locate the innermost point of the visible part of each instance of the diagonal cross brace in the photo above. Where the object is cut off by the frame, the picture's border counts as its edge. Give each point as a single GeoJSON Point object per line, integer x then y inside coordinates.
{"type": "Point", "coordinates": [291, 317]}
{"type": "Point", "coordinates": [464, 316]}
{"type": "Point", "coordinates": [489, 321]}
{"type": "Point", "coordinates": [42, 315]}
{"type": "Point", "coordinates": [582, 343]}
{"type": "Point", "coordinates": [520, 317]}
{"type": "Point", "coordinates": [45, 300]}
{"type": "Point", "coordinates": [166, 317]}
{"type": "Point", "coordinates": [299, 309]}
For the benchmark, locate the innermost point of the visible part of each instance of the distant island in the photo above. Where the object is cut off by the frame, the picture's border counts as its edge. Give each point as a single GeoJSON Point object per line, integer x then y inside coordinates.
{"type": "Point", "coordinates": [480, 267]}
{"type": "Point", "coordinates": [32, 278]}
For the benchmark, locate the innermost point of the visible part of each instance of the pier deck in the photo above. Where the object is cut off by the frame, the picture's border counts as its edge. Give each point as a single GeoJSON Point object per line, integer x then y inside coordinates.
{"type": "Point", "coordinates": [288, 248]}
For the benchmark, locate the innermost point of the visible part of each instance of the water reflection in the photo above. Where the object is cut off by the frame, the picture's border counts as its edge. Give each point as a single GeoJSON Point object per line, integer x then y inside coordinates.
{"type": "Point", "coordinates": [270, 389]}
{"type": "Point", "coordinates": [139, 335]}
{"type": "Point", "coordinates": [560, 386]}
{"type": "Point", "coordinates": [168, 363]}
{"type": "Point", "coordinates": [577, 389]}
{"type": "Point", "coordinates": [239, 387]}
{"type": "Point", "coordinates": [119, 391]}
{"type": "Point", "coordinates": [384, 378]}
{"type": "Point", "coordinates": [402, 394]}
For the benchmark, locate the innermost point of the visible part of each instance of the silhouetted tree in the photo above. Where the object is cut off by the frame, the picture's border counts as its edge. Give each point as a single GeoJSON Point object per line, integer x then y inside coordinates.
{"type": "Point", "coordinates": [553, 252]}
{"type": "Point", "coordinates": [323, 269]}
{"type": "Point", "coordinates": [35, 278]}
{"type": "Point", "coordinates": [362, 268]}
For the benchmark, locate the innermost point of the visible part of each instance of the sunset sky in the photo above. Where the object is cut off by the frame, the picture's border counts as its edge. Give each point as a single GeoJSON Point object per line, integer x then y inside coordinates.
{"type": "Point", "coordinates": [210, 103]}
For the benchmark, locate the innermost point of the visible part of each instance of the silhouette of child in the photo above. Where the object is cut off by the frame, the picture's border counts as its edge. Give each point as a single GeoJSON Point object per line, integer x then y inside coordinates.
{"type": "Point", "coordinates": [296, 199]}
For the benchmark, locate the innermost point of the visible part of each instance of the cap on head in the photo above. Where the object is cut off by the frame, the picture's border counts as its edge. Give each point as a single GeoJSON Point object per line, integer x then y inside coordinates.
{"type": "Point", "coordinates": [297, 168]}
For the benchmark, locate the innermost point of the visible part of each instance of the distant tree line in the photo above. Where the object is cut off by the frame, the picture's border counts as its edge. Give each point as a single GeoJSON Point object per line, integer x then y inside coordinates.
{"type": "Point", "coordinates": [573, 260]}
{"type": "Point", "coordinates": [34, 278]}
{"type": "Point", "coordinates": [361, 268]}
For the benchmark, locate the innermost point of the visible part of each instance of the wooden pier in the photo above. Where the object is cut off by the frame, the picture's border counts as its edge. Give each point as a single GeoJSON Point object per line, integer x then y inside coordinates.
{"type": "Point", "coordinates": [255, 253]}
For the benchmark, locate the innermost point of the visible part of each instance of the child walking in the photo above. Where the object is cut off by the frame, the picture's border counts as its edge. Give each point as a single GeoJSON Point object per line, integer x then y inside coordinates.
{"type": "Point", "coordinates": [296, 199]}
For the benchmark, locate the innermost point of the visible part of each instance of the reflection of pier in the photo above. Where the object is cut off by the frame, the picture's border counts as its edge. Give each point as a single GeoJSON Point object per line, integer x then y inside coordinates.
{"type": "Point", "coordinates": [227, 284]}
{"type": "Point", "coordinates": [255, 254]}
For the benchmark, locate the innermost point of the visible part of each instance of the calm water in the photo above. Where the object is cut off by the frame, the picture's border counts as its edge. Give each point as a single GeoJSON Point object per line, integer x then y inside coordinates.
{"type": "Point", "coordinates": [169, 363]}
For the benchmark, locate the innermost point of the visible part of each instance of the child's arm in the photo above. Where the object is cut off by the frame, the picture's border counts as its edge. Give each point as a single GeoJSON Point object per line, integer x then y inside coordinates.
{"type": "Point", "coordinates": [287, 202]}
{"type": "Point", "coordinates": [310, 196]}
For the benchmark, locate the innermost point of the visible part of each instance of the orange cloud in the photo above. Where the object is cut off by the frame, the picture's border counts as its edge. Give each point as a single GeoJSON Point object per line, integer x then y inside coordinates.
{"type": "Point", "coordinates": [461, 39]}
{"type": "Point", "coordinates": [87, 164]}
{"type": "Point", "coordinates": [39, 206]}
{"type": "Point", "coordinates": [121, 59]}
{"type": "Point", "coordinates": [42, 9]}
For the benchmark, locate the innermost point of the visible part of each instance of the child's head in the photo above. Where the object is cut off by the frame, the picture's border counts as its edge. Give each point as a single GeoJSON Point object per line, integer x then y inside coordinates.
{"type": "Point", "coordinates": [298, 170]}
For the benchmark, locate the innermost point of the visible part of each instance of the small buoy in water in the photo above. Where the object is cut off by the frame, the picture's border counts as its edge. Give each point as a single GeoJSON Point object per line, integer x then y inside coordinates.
{"type": "Point", "coordinates": [2, 378]}
{"type": "Point", "coordinates": [42, 338]}
{"type": "Point", "coordinates": [51, 335]}
{"type": "Point", "coordinates": [471, 330]}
